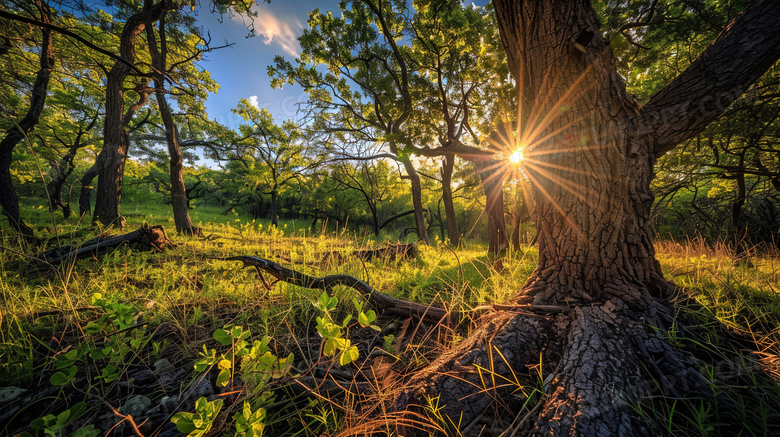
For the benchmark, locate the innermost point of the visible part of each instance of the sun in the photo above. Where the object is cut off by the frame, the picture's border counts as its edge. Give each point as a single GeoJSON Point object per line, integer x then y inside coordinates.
{"type": "Point", "coordinates": [516, 157]}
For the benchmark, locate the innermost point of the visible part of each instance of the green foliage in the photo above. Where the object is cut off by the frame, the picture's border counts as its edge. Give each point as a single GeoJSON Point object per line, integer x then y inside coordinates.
{"type": "Point", "coordinates": [250, 423]}
{"type": "Point", "coordinates": [184, 290]}
{"type": "Point", "coordinates": [199, 423]}
{"type": "Point", "coordinates": [257, 363]}
{"type": "Point", "coordinates": [54, 426]}
{"type": "Point", "coordinates": [335, 341]}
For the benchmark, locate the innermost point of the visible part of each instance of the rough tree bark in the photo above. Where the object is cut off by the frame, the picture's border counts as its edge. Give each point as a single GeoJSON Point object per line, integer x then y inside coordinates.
{"type": "Point", "coordinates": [115, 138]}
{"type": "Point", "coordinates": [8, 199]}
{"type": "Point", "coordinates": [591, 157]}
{"type": "Point", "coordinates": [179, 199]}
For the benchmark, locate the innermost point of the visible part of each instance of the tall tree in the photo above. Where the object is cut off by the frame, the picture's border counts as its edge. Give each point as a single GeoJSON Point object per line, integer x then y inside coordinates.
{"type": "Point", "coordinates": [111, 161]}
{"type": "Point", "coordinates": [19, 131]}
{"type": "Point", "coordinates": [424, 80]}
{"type": "Point", "coordinates": [277, 155]}
{"type": "Point", "coordinates": [159, 56]}
{"type": "Point", "coordinates": [361, 49]}
{"type": "Point", "coordinates": [116, 141]}
{"type": "Point", "coordinates": [590, 159]}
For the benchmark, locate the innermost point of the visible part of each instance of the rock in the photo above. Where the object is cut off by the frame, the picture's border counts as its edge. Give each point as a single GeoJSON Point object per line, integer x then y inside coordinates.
{"type": "Point", "coordinates": [135, 406]}
{"type": "Point", "coordinates": [169, 430]}
{"type": "Point", "coordinates": [142, 378]}
{"type": "Point", "coordinates": [163, 366]}
{"type": "Point", "coordinates": [168, 380]}
{"type": "Point", "coordinates": [169, 404]}
{"type": "Point", "coordinates": [7, 394]}
{"type": "Point", "coordinates": [203, 389]}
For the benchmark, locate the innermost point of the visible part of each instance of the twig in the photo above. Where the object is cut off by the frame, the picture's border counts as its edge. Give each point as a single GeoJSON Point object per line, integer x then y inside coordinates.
{"type": "Point", "coordinates": [128, 419]}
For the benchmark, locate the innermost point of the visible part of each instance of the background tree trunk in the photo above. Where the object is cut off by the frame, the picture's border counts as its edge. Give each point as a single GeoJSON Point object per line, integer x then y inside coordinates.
{"type": "Point", "coordinates": [85, 194]}
{"type": "Point", "coordinates": [492, 175]}
{"type": "Point", "coordinates": [449, 207]}
{"type": "Point", "coordinates": [274, 208]}
{"type": "Point", "coordinates": [115, 138]}
{"type": "Point", "coordinates": [736, 231]}
{"type": "Point", "coordinates": [13, 136]}
{"type": "Point", "coordinates": [179, 200]}
{"type": "Point", "coordinates": [419, 211]}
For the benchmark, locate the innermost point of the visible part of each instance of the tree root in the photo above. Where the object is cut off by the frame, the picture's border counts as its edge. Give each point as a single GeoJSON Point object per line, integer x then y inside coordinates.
{"type": "Point", "coordinates": [592, 366]}
{"type": "Point", "coordinates": [559, 370]}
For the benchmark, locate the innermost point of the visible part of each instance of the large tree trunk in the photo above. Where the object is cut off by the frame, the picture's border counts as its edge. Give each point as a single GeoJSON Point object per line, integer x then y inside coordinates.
{"type": "Point", "coordinates": [115, 138]}
{"type": "Point", "coordinates": [179, 199]}
{"type": "Point", "coordinates": [449, 206]}
{"type": "Point", "coordinates": [590, 161]}
{"type": "Point", "coordinates": [85, 194]}
{"type": "Point", "coordinates": [8, 199]}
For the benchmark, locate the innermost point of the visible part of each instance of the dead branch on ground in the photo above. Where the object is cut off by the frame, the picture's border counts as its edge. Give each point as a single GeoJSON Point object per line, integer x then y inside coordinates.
{"type": "Point", "coordinates": [378, 300]}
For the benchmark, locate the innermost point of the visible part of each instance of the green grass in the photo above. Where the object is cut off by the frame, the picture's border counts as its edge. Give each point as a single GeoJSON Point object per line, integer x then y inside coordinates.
{"type": "Point", "coordinates": [183, 295]}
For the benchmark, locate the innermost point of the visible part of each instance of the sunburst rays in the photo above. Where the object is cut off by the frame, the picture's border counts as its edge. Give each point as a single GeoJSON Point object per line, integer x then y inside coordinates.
{"type": "Point", "coordinates": [549, 127]}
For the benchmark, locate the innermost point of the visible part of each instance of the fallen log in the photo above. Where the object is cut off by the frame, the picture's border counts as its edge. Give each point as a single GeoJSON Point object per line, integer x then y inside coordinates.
{"type": "Point", "coordinates": [376, 299]}
{"type": "Point", "coordinates": [388, 252]}
{"type": "Point", "coordinates": [151, 237]}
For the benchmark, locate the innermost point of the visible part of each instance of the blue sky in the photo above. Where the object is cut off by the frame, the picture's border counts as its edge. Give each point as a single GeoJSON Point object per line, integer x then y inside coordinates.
{"type": "Point", "coordinates": [241, 71]}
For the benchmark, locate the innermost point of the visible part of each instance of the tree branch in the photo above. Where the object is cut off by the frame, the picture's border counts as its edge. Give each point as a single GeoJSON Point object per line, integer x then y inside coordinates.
{"type": "Point", "coordinates": [740, 55]}
{"type": "Point", "coordinates": [22, 19]}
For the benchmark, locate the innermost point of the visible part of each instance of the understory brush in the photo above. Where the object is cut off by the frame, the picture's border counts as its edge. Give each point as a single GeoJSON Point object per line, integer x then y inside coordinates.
{"type": "Point", "coordinates": [186, 339]}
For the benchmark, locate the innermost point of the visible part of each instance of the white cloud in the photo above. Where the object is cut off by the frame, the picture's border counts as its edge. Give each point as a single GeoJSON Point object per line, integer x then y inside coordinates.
{"type": "Point", "coordinates": [280, 28]}
{"type": "Point", "coordinates": [253, 101]}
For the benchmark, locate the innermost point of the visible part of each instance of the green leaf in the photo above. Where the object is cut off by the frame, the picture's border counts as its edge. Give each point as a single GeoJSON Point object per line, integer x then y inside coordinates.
{"type": "Point", "coordinates": [365, 319]}
{"type": "Point", "coordinates": [87, 431]}
{"type": "Point", "coordinates": [349, 355]}
{"type": "Point", "coordinates": [358, 304]}
{"type": "Point", "coordinates": [183, 422]}
{"type": "Point", "coordinates": [223, 378]}
{"type": "Point", "coordinates": [109, 374]}
{"type": "Point", "coordinates": [326, 302]}
{"type": "Point", "coordinates": [61, 378]}
{"type": "Point", "coordinates": [62, 419]}
{"type": "Point", "coordinates": [330, 347]}
{"type": "Point", "coordinates": [223, 337]}
{"type": "Point", "coordinates": [43, 422]}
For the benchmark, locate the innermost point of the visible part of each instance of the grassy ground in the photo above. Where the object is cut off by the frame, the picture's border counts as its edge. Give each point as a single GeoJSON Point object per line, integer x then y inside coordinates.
{"type": "Point", "coordinates": [82, 333]}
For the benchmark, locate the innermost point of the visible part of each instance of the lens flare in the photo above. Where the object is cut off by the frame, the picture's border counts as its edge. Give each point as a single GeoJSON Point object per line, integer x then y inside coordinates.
{"type": "Point", "coordinates": [516, 157]}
